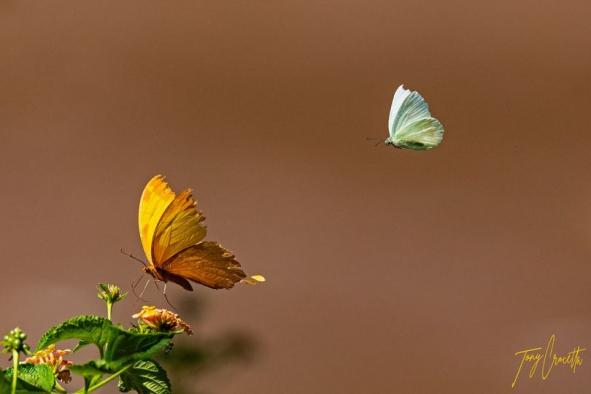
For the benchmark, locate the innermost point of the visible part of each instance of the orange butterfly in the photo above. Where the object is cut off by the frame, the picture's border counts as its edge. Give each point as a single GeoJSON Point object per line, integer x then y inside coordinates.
{"type": "Point", "coordinates": [172, 231]}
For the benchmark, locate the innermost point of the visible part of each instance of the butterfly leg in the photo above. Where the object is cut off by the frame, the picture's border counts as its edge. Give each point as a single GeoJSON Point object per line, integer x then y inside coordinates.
{"type": "Point", "coordinates": [145, 287]}
{"type": "Point", "coordinates": [164, 293]}
{"type": "Point", "coordinates": [166, 297]}
{"type": "Point", "coordinates": [134, 286]}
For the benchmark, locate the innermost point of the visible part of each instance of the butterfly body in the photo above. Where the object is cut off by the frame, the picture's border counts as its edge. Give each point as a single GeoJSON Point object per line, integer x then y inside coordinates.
{"type": "Point", "coordinates": [410, 123]}
{"type": "Point", "coordinates": [165, 276]}
{"type": "Point", "coordinates": [172, 232]}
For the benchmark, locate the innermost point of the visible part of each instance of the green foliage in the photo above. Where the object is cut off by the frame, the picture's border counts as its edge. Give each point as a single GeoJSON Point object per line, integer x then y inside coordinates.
{"type": "Point", "coordinates": [124, 346]}
{"type": "Point", "coordinates": [126, 354]}
{"type": "Point", "coordinates": [89, 329]}
{"type": "Point", "coordinates": [145, 377]}
{"type": "Point", "coordinates": [33, 378]}
{"type": "Point", "coordinates": [117, 345]}
{"type": "Point", "coordinates": [80, 345]}
{"type": "Point", "coordinates": [4, 385]}
{"type": "Point", "coordinates": [92, 368]}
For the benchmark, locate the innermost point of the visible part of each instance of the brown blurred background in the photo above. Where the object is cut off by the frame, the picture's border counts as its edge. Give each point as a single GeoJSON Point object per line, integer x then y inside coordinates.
{"type": "Point", "coordinates": [389, 271]}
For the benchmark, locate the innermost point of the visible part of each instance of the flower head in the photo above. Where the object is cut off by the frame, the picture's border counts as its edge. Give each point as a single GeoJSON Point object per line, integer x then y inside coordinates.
{"type": "Point", "coordinates": [110, 293]}
{"type": "Point", "coordinates": [15, 340]}
{"type": "Point", "coordinates": [54, 358]}
{"type": "Point", "coordinates": [162, 320]}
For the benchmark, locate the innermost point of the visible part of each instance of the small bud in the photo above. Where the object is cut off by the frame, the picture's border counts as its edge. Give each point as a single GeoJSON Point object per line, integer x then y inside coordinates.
{"type": "Point", "coordinates": [15, 340]}
{"type": "Point", "coordinates": [110, 293]}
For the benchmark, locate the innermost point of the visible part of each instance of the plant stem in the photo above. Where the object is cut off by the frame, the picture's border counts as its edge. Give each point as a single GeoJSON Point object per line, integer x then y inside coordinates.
{"type": "Point", "coordinates": [59, 388]}
{"type": "Point", "coordinates": [15, 356]}
{"type": "Point", "coordinates": [107, 380]}
{"type": "Point", "coordinates": [109, 309]}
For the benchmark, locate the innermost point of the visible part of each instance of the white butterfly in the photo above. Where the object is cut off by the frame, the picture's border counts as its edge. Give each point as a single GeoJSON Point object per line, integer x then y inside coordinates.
{"type": "Point", "coordinates": [410, 124]}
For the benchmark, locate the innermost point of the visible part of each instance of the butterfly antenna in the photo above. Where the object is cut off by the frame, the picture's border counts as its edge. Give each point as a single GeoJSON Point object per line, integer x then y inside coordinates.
{"type": "Point", "coordinates": [164, 294]}
{"type": "Point", "coordinates": [143, 291]}
{"type": "Point", "coordinates": [133, 257]}
{"type": "Point", "coordinates": [378, 140]}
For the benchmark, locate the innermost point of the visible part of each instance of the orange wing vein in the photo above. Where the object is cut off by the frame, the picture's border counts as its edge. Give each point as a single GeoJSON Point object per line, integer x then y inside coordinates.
{"type": "Point", "coordinates": [207, 263]}
{"type": "Point", "coordinates": [179, 228]}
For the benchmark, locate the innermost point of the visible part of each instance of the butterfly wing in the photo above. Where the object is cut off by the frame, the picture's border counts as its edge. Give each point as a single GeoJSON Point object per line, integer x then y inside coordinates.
{"type": "Point", "coordinates": [410, 123]}
{"type": "Point", "coordinates": [180, 227]}
{"type": "Point", "coordinates": [171, 231]}
{"type": "Point", "coordinates": [399, 97]}
{"type": "Point", "coordinates": [420, 135]}
{"type": "Point", "coordinates": [207, 263]}
{"type": "Point", "coordinates": [156, 197]}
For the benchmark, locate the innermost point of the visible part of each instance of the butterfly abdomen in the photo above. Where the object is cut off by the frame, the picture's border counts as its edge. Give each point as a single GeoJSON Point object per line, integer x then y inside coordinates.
{"type": "Point", "coordinates": [167, 276]}
{"type": "Point", "coordinates": [413, 145]}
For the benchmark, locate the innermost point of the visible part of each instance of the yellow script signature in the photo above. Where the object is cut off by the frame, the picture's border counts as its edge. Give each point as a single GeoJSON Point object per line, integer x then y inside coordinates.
{"type": "Point", "coordinates": [548, 358]}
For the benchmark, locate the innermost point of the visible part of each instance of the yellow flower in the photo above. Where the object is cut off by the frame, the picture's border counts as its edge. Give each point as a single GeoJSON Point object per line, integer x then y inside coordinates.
{"type": "Point", "coordinates": [162, 320]}
{"type": "Point", "coordinates": [55, 359]}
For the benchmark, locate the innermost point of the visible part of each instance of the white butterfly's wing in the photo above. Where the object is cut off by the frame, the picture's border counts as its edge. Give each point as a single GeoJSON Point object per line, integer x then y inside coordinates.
{"type": "Point", "coordinates": [399, 97]}
{"type": "Point", "coordinates": [419, 135]}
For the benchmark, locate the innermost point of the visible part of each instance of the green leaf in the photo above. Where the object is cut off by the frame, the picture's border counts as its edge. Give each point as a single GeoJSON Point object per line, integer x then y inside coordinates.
{"type": "Point", "coordinates": [145, 377]}
{"type": "Point", "coordinates": [33, 378]}
{"type": "Point", "coordinates": [117, 345]}
{"type": "Point", "coordinates": [4, 384]}
{"type": "Point", "coordinates": [80, 345]}
{"type": "Point", "coordinates": [125, 346]}
{"type": "Point", "coordinates": [92, 368]}
{"type": "Point", "coordinates": [88, 329]}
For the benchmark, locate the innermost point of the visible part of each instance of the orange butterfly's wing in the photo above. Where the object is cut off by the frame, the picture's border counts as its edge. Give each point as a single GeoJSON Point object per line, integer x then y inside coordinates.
{"type": "Point", "coordinates": [179, 228]}
{"type": "Point", "coordinates": [207, 263]}
{"type": "Point", "coordinates": [171, 231]}
{"type": "Point", "coordinates": [156, 197]}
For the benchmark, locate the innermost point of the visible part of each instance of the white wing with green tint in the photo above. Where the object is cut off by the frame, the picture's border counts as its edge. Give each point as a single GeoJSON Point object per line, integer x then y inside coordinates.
{"type": "Point", "coordinates": [410, 123]}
